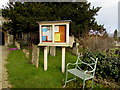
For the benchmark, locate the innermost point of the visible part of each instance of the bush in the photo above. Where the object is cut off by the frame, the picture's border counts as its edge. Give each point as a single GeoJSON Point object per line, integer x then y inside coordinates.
{"type": "Point", "coordinates": [108, 62]}
{"type": "Point", "coordinates": [96, 44]}
{"type": "Point", "coordinates": [107, 67]}
{"type": "Point", "coordinates": [11, 46]}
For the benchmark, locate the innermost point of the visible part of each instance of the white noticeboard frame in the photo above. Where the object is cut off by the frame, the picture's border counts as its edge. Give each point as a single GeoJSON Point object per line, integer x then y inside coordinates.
{"type": "Point", "coordinates": [55, 29]}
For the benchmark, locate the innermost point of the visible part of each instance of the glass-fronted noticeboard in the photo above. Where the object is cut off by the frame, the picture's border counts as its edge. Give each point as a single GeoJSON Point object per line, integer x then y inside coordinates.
{"type": "Point", "coordinates": [54, 33]}
{"type": "Point", "coordinates": [59, 33]}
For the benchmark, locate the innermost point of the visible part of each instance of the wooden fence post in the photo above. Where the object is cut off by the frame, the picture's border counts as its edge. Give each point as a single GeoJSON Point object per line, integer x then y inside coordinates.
{"type": "Point", "coordinates": [37, 59]}
{"type": "Point", "coordinates": [45, 58]}
{"type": "Point", "coordinates": [63, 59]}
{"type": "Point", "coordinates": [52, 50]}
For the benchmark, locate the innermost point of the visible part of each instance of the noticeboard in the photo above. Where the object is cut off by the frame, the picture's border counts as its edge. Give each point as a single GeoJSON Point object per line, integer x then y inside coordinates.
{"type": "Point", "coordinates": [54, 33]}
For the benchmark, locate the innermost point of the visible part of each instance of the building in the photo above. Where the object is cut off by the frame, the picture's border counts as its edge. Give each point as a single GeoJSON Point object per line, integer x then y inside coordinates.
{"type": "Point", "coordinates": [5, 37]}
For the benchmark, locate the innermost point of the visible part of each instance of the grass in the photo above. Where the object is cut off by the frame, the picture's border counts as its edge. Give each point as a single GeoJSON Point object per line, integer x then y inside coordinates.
{"type": "Point", "coordinates": [11, 46]}
{"type": "Point", "coordinates": [22, 74]}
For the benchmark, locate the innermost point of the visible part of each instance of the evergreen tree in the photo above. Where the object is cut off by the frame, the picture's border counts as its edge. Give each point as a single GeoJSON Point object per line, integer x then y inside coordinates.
{"type": "Point", "coordinates": [23, 16]}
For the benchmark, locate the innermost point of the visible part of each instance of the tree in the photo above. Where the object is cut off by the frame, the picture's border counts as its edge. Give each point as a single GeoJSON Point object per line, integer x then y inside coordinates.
{"type": "Point", "coordinates": [115, 34]}
{"type": "Point", "coordinates": [97, 44]}
{"type": "Point", "coordinates": [23, 16]}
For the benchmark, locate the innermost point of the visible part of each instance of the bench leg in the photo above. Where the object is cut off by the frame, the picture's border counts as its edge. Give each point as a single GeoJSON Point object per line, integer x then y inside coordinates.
{"type": "Point", "coordinates": [83, 84]}
{"type": "Point", "coordinates": [75, 78]}
{"type": "Point", "coordinates": [66, 79]}
{"type": "Point", "coordinates": [92, 82]}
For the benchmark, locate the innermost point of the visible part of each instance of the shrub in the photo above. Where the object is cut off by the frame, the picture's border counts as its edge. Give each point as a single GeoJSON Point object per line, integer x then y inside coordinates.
{"type": "Point", "coordinates": [107, 67]}
{"type": "Point", "coordinates": [96, 44]}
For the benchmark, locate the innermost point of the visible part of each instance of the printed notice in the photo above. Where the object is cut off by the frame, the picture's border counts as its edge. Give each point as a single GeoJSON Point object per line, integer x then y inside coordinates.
{"type": "Point", "coordinates": [43, 38]}
{"type": "Point", "coordinates": [56, 29]}
{"type": "Point", "coordinates": [49, 37]}
{"type": "Point", "coordinates": [57, 37]}
{"type": "Point", "coordinates": [44, 29]}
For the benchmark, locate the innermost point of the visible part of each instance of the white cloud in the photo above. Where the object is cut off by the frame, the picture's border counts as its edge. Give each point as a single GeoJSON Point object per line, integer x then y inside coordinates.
{"type": "Point", "coordinates": [108, 14]}
{"type": "Point", "coordinates": [3, 2]}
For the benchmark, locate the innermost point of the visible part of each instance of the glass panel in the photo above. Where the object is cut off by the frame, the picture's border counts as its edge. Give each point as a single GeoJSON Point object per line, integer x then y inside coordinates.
{"type": "Point", "coordinates": [47, 33]}
{"type": "Point", "coordinates": [60, 33]}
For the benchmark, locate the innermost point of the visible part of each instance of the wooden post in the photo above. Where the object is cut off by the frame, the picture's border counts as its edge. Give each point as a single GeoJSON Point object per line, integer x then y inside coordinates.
{"type": "Point", "coordinates": [37, 61]}
{"type": "Point", "coordinates": [53, 50]}
{"type": "Point", "coordinates": [67, 30]}
{"type": "Point", "coordinates": [63, 59]}
{"type": "Point", "coordinates": [48, 49]}
{"type": "Point", "coordinates": [53, 27]}
{"type": "Point", "coordinates": [45, 58]}
{"type": "Point", "coordinates": [40, 37]}
{"type": "Point", "coordinates": [33, 54]}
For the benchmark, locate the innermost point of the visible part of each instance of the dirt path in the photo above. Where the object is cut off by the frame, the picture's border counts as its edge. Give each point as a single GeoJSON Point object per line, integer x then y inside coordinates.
{"type": "Point", "coordinates": [0, 67]}
{"type": "Point", "coordinates": [3, 71]}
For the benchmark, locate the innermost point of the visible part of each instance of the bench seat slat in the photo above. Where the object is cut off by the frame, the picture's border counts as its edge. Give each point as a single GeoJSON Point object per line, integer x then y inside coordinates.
{"type": "Point", "coordinates": [80, 74]}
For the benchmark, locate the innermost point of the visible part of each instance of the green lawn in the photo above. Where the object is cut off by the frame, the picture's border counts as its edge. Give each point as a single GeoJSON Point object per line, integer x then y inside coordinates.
{"type": "Point", "coordinates": [22, 74]}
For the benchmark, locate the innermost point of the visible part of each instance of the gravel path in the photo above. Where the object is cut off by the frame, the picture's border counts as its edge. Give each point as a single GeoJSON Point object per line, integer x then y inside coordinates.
{"type": "Point", "coordinates": [3, 71]}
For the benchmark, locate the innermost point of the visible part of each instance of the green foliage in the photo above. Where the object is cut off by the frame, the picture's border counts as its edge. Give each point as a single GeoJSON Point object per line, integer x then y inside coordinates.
{"type": "Point", "coordinates": [89, 85]}
{"type": "Point", "coordinates": [23, 16]}
{"type": "Point", "coordinates": [11, 46]}
{"type": "Point", "coordinates": [107, 67]}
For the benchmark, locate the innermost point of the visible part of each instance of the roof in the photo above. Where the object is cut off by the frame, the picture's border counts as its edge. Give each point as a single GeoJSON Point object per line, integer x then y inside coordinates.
{"type": "Point", "coordinates": [60, 21]}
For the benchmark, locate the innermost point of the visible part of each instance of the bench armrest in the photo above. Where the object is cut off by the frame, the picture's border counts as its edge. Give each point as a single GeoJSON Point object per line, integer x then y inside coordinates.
{"type": "Point", "coordinates": [89, 71]}
{"type": "Point", "coordinates": [71, 64]}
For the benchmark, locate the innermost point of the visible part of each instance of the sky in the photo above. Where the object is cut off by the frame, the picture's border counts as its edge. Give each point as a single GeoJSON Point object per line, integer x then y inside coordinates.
{"type": "Point", "coordinates": [107, 16]}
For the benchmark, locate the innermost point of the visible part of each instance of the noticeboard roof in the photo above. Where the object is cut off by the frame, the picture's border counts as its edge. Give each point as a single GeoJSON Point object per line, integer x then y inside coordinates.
{"type": "Point", "coordinates": [60, 21]}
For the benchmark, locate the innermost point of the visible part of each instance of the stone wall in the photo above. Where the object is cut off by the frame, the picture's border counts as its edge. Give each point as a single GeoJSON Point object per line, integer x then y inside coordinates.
{"type": "Point", "coordinates": [27, 53]}
{"type": "Point", "coordinates": [17, 44]}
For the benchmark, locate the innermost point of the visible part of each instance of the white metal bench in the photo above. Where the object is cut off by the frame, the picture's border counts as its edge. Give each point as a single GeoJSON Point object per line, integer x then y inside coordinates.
{"type": "Point", "coordinates": [83, 74]}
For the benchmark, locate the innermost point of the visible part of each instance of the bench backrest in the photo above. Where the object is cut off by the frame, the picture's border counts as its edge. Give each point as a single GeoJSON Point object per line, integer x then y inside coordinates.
{"type": "Point", "coordinates": [91, 65]}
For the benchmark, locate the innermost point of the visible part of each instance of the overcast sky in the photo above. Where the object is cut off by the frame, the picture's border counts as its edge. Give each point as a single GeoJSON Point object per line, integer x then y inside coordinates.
{"type": "Point", "coordinates": [108, 14]}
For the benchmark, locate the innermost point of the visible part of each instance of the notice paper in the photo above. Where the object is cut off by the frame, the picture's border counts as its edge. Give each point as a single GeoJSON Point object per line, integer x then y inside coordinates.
{"type": "Point", "coordinates": [43, 38]}
{"type": "Point", "coordinates": [44, 29]}
{"type": "Point", "coordinates": [56, 29]}
{"type": "Point", "coordinates": [45, 33]}
{"type": "Point", "coordinates": [57, 37]}
{"type": "Point", "coordinates": [50, 37]}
